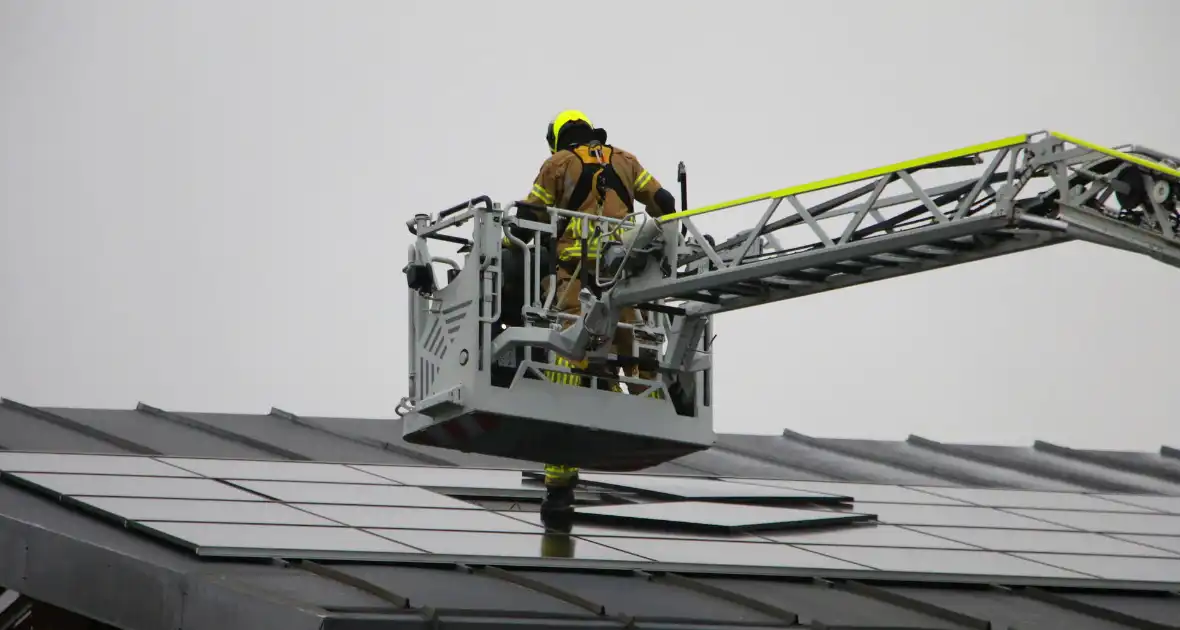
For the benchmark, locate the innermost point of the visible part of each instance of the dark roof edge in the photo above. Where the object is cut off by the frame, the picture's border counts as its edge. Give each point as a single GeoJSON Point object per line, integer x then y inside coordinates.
{"type": "Point", "coordinates": [109, 586]}
{"type": "Point", "coordinates": [101, 582]}
{"type": "Point", "coordinates": [1105, 460]}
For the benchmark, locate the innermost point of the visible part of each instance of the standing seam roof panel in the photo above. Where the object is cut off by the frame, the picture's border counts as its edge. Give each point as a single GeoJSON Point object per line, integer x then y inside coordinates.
{"type": "Point", "coordinates": [316, 445]}
{"type": "Point", "coordinates": [162, 435]}
{"type": "Point", "coordinates": [1074, 470]}
{"type": "Point", "coordinates": [724, 461]}
{"type": "Point", "coordinates": [971, 473]}
{"type": "Point", "coordinates": [916, 461]}
{"type": "Point", "coordinates": [835, 466]}
{"type": "Point", "coordinates": [390, 431]}
{"type": "Point", "coordinates": [22, 432]}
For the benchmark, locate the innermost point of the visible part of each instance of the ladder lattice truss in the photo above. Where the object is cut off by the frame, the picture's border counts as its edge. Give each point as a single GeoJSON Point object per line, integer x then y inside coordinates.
{"type": "Point", "coordinates": [1025, 192]}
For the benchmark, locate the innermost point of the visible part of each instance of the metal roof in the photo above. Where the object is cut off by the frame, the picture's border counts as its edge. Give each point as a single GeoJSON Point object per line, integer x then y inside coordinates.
{"type": "Point", "coordinates": [55, 553]}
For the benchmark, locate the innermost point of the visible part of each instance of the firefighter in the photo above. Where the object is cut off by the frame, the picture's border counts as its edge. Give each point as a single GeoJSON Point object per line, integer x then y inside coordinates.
{"type": "Point", "coordinates": [585, 174]}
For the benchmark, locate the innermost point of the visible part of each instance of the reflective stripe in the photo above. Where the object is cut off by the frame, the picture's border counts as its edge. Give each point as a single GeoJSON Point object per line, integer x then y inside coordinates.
{"type": "Point", "coordinates": [852, 177]}
{"type": "Point", "coordinates": [574, 231]}
{"type": "Point", "coordinates": [575, 251]}
{"type": "Point", "coordinates": [556, 473]}
{"type": "Point", "coordinates": [642, 180]}
{"type": "Point", "coordinates": [565, 378]}
{"type": "Point", "coordinates": [543, 194]}
{"type": "Point", "coordinates": [575, 380]}
{"type": "Point", "coordinates": [1134, 159]}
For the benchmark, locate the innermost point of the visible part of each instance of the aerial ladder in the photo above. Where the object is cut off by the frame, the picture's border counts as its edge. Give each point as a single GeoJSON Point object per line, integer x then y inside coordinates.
{"type": "Point", "coordinates": [483, 344]}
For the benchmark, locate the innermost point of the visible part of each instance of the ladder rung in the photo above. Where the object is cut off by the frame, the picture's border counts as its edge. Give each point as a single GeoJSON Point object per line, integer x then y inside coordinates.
{"type": "Point", "coordinates": [782, 282]}
{"type": "Point", "coordinates": [741, 289]}
{"type": "Point", "coordinates": [698, 297]}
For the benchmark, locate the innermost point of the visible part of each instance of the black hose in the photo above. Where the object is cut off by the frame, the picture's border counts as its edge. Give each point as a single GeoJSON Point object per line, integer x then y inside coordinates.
{"type": "Point", "coordinates": [487, 202]}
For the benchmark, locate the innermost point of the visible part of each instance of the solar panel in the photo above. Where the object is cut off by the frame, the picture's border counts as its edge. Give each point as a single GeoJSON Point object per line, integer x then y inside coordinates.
{"type": "Point", "coordinates": [70, 484]}
{"type": "Point", "coordinates": [505, 544]}
{"type": "Point", "coordinates": [600, 529]}
{"type": "Point", "coordinates": [868, 535]}
{"type": "Point", "coordinates": [1170, 505]}
{"type": "Point", "coordinates": [1115, 568]}
{"type": "Point", "coordinates": [901, 514]}
{"type": "Point", "coordinates": [1032, 499]}
{"type": "Point", "coordinates": [8, 598]}
{"type": "Point", "coordinates": [233, 540]}
{"type": "Point", "coordinates": [346, 511]}
{"type": "Point", "coordinates": [1047, 541]}
{"type": "Point", "coordinates": [1166, 543]}
{"type": "Point", "coordinates": [956, 561]}
{"type": "Point", "coordinates": [511, 481]}
{"type": "Point", "coordinates": [713, 516]}
{"type": "Point", "coordinates": [91, 464]}
{"type": "Point", "coordinates": [141, 509]}
{"type": "Point", "coordinates": [419, 518]}
{"type": "Point", "coordinates": [1110, 522]}
{"type": "Point", "coordinates": [713, 552]}
{"type": "Point", "coordinates": [274, 470]}
{"type": "Point", "coordinates": [875, 493]}
{"type": "Point", "coordinates": [706, 489]}
{"type": "Point", "coordinates": [354, 494]}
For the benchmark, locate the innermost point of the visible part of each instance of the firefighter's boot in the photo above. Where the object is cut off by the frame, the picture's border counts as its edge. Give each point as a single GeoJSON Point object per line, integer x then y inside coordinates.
{"type": "Point", "coordinates": [557, 545]}
{"type": "Point", "coordinates": [557, 510]}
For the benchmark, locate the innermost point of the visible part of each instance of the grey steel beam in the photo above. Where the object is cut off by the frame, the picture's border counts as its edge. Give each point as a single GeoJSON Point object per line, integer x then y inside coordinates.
{"type": "Point", "coordinates": [627, 295]}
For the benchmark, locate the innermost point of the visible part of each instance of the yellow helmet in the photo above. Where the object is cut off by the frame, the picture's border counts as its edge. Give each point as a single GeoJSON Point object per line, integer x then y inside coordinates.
{"type": "Point", "coordinates": [561, 120]}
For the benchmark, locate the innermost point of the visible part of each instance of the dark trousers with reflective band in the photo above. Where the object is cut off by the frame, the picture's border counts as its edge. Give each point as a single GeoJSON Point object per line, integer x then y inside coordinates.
{"type": "Point", "coordinates": [566, 301]}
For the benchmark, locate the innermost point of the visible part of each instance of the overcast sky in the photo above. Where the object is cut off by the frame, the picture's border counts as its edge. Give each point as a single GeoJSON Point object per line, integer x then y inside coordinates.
{"type": "Point", "coordinates": [203, 204]}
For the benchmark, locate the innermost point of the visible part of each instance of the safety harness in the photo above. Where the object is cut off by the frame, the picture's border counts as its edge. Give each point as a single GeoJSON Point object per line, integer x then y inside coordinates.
{"type": "Point", "coordinates": [598, 176]}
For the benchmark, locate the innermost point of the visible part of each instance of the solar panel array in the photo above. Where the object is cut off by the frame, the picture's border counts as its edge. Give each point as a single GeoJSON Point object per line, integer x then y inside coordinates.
{"type": "Point", "coordinates": [218, 507]}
